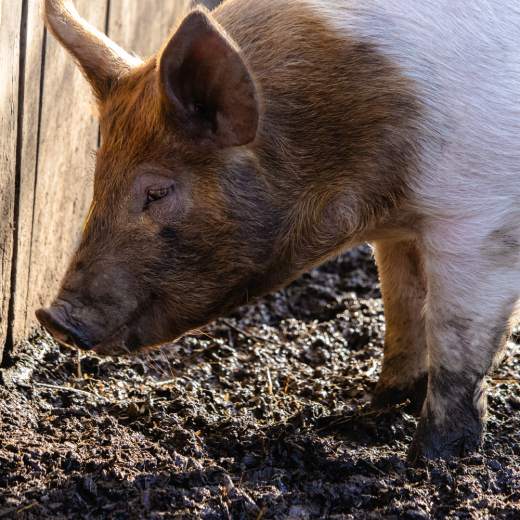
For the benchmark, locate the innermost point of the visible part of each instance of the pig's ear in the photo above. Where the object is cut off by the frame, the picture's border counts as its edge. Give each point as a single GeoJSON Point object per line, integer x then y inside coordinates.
{"type": "Point", "coordinates": [101, 60]}
{"type": "Point", "coordinates": [207, 87]}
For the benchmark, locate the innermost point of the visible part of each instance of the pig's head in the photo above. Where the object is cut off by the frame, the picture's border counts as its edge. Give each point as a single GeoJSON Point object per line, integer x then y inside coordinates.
{"type": "Point", "coordinates": [181, 224]}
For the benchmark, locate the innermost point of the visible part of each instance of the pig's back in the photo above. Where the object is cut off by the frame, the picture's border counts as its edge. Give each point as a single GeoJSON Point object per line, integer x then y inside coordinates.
{"type": "Point", "coordinates": [464, 59]}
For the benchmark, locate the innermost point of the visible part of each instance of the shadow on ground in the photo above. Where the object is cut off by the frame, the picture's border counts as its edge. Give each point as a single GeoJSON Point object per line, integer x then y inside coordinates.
{"type": "Point", "coordinates": [263, 416]}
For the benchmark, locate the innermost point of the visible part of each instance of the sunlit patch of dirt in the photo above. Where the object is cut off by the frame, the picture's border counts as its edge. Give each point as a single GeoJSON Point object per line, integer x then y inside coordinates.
{"type": "Point", "coordinates": [264, 416]}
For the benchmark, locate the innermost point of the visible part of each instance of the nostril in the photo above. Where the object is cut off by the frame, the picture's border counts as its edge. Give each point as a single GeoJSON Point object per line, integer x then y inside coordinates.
{"type": "Point", "coordinates": [60, 329]}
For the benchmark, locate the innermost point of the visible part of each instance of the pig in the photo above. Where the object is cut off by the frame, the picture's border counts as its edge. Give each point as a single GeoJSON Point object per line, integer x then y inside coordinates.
{"type": "Point", "coordinates": [266, 137]}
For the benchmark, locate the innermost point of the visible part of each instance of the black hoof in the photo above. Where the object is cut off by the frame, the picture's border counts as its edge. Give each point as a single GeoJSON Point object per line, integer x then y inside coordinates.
{"type": "Point", "coordinates": [415, 393]}
{"type": "Point", "coordinates": [451, 439]}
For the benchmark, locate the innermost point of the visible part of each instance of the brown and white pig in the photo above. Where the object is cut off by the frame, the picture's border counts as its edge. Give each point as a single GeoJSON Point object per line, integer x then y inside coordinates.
{"type": "Point", "coordinates": [268, 136]}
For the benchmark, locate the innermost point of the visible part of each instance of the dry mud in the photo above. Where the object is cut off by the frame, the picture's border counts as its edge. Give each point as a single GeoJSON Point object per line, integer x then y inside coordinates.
{"type": "Point", "coordinates": [263, 416]}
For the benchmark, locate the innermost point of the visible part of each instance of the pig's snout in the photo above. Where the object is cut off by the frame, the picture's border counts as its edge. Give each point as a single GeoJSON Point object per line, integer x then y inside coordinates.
{"type": "Point", "coordinates": [57, 323]}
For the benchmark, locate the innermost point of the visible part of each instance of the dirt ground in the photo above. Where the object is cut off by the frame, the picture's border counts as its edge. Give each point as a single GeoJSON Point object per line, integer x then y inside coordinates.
{"type": "Point", "coordinates": [263, 416]}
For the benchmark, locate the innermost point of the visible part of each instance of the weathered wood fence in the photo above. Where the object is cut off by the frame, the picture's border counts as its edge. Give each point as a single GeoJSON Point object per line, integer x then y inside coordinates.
{"type": "Point", "coordinates": [48, 131]}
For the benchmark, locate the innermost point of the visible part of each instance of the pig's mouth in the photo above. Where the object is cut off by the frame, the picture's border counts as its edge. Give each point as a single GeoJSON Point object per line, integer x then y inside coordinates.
{"type": "Point", "coordinates": [128, 339]}
{"type": "Point", "coordinates": [115, 344]}
{"type": "Point", "coordinates": [125, 341]}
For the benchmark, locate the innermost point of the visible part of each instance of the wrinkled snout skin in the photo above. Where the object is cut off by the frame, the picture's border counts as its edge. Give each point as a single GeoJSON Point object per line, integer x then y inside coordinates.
{"type": "Point", "coordinates": [267, 137]}
{"type": "Point", "coordinates": [92, 302]}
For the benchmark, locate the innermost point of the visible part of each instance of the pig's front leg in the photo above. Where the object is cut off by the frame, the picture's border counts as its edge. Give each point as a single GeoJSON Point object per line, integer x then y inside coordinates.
{"type": "Point", "coordinates": [404, 373]}
{"type": "Point", "coordinates": [473, 285]}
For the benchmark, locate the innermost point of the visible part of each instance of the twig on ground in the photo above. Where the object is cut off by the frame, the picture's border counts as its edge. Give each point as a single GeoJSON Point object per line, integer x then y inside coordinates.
{"type": "Point", "coordinates": [163, 383]}
{"type": "Point", "coordinates": [252, 337]}
{"type": "Point", "coordinates": [269, 382]}
{"type": "Point", "coordinates": [261, 513]}
{"type": "Point", "coordinates": [505, 380]}
{"type": "Point", "coordinates": [16, 511]}
{"type": "Point", "coordinates": [78, 364]}
{"type": "Point", "coordinates": [71, 389]}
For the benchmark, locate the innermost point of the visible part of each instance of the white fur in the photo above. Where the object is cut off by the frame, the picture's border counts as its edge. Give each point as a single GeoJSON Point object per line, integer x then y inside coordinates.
{"type": "Point", "coordinates": [464, 59]}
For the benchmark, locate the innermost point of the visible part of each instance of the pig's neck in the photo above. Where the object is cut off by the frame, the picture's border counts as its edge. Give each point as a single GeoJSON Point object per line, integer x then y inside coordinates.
{"type": "Point", "coordinates": [339, 135]}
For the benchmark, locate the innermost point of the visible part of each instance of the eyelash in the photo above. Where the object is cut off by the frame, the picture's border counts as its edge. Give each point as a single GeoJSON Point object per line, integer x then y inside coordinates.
{"type": "Point", "coordinates": [153, 195]}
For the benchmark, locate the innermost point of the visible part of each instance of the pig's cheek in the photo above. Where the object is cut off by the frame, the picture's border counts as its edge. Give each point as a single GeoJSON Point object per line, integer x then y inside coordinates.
{"type": "Point", "coordinates": [158, 328]}
{"type": "Point", "coordinates": [140, 331]}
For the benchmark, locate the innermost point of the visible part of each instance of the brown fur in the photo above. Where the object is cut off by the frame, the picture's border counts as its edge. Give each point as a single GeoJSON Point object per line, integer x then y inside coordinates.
{"type": "Point", "coordinates": [339, 121]}
{"type": "Point", "coordinates": [403, 283]}
{"type": "Point", "coordinates": [330, 165]}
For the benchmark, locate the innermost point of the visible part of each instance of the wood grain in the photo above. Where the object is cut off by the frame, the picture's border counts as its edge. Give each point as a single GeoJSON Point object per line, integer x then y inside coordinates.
{"type": "Point", "coordinates": [142, 27]}
{"type": "Point", "coordinates": [28, 143]}
{"type": "Point", "coordinates": [10, 22]}
{"type": "Point", "coordinates": [63, 183]}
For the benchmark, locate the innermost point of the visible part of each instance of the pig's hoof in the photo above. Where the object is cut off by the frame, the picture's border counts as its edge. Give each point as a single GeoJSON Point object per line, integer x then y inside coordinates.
{"type": "Point", "coordinates": [415, 393]}
{"type": "Point", "coordinates": [451, 439]}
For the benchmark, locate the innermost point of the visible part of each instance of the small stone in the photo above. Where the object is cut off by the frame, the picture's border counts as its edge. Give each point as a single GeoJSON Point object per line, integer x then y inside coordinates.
{"type": "Point", "coordinates": [495, 465]}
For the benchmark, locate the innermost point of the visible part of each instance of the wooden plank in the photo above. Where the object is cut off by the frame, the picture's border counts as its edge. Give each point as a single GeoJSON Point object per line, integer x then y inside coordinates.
{"type": "Point", "coordinates": [68, 135]}
{"type": "Point", "coordinates": [142, 27]}
{"type": "Point", "coordinates": [10, 22]}
{"type": "Point", "coordinates": [27, 167]}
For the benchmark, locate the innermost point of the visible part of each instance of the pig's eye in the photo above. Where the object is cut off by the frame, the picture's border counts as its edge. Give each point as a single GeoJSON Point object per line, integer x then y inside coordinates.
{"type": "Point", "coordinates": [154, 194]}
